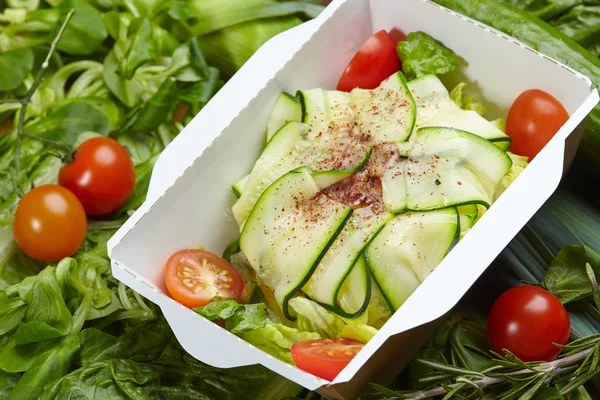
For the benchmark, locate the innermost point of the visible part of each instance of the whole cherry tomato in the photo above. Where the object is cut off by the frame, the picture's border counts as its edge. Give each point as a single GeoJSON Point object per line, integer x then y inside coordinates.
{"type": "Point", "coordinates": [102, 175]}
{"type": "Point", "coordinates": [526, 320]}
{"type": "Point", "coordinates": [50, 223]}
{"type": "Point", "coordinates": [533, 119]}
{"type": "Point", "coordinates": [374, 62]}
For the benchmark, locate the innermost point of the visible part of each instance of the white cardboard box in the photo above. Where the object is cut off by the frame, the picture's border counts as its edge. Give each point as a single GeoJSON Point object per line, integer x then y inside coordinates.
{"type": "Point", "coordinates": [189, 198]}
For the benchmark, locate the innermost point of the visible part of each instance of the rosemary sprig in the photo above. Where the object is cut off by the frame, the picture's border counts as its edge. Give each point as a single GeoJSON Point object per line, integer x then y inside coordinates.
{"type": "Point", "coordinates": [24, 102]}
{"type": "Point", "coordinates": [511, 378]}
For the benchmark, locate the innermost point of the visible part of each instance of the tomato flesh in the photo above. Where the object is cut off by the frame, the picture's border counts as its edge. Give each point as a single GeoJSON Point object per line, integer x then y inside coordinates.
{"type": "Point", "coordinates": [50, 223]}
{"type": "Point", "coordinates": [526, 320]}
{"type": "Point", "coordinates": [325, 358]}
{"type": "Point", "coordinates": [533, 119]}
{"type": "Point", "coordinates": [102, 175]}
{"type": "Point", "coordinates": [374, 62]}
{"type": "Point", "coordinates": [195, 278]}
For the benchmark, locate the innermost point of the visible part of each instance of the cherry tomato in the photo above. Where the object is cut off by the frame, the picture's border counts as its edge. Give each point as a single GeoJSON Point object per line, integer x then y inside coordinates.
{"type": "Point", "coordinates": [50, 223]}
{"type": "Point", "coordinates": [375, 61]}
{"type": "Point", "coordinates": [526, 320]}
{"type": "Point", "coordinates": [325, 358]}
{"type": "Point", "coordinates": [102, 175]}
{"type": "Point", "coordinates": [533, 119]}
{"type": "Point", "coordinates": [196, 277]}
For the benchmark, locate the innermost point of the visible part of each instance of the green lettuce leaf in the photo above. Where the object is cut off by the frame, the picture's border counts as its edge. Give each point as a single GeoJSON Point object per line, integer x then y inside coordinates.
{"type": "Point", "coordinates": [314, 318]}
{"type": "Point", "coordinates": [361, 332]}
{"type": "Point", "coordinates": [519, 163]}
{"type": "Point", "coordinates": [500, 124]}
{"type": "Point", "coordinates": [239, 317]}
{"type": "Point", "coordinates": [276, 339]}
{"type": "Point", "coordinates": [378, 310]}
{"type": "Point", "coordinates": [465, 100]}
{"type": "Point", "coordinates": [421, 54]}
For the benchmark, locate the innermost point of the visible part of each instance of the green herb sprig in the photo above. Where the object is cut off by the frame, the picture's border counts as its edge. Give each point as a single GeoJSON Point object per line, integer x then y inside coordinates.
{"type": "Point", "coordinates": [509, 378]}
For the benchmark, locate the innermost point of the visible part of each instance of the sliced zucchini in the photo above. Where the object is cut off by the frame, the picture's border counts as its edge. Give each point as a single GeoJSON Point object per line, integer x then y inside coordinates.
{"type": "Point", "coordinates": [326, 282]}
{"type": "Point", "coordinates": [386, 113]}
{"type": "Point", "coordinates": [287, 109]}
{"type": "Point", "coordinates": [355, 293]}
{"type": "Point", "coordinates": [238, 187]}
{"type": "Point", "coordinates": [326, 111]}
{"type": "Point", "coordinates": [436, 108]}
{"type": "Point", "coordinates": [288, 231]}
{"type": "Point", "coordinates": [324, 179]}
{"type": "Point", "coordinates": [408, 249]}
{"type": "Point", "coordinates": [279, 156]}
{"type": "Point", "coordinates": [446, 168]}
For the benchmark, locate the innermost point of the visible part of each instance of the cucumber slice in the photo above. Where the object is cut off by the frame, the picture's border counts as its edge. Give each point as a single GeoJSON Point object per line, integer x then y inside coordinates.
{"type": "Point", "coordinates": [387, 113]}
{"type": "Point", "coordinates": [288, 231]}
{"type": "Point", "coordinates": [467, 216]}
{"type": "Point", "coordinates": [287, 109]}
{"type": "Point", "coordinates": [446, 168]}
{"type": "Point", "coordinates": [408, 249]}
{"type": "Point", "coordinates": [326, 282]}
{"type": "Point", "coordinates": [239, 186]}
{"type": "Point", "coordinates": [279, 156]}
{"type": "Point", "coordinates": [436, 108]}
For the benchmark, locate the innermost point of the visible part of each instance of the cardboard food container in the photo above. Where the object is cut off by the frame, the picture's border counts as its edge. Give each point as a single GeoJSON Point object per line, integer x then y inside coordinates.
{"type": "Point", "coordinates": [190, 198]}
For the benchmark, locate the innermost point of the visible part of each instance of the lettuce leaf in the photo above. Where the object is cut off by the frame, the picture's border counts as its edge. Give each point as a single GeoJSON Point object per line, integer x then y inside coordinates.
{"type": "Point", "coordinates": [362, 333]}
{"type": "Point", "coordinates": [423, 55]}
{"type": "Point", "coordinates": [314, 318]}
{"type": "Point", "coordinates": [276, 339]}
{"type": "Point", "coordinates": [378, 310]}
{"type": "Point", "coordinates": [519, 163]}
{"type": "Point", "coordinates": [466, 101]}
{"type": "Point", "coordinates": [239, 317]}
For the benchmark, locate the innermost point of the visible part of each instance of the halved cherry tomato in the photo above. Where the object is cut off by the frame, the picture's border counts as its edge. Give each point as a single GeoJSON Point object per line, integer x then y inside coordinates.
{"type": "Point", "coordinates": [526, 320]}
{"type": "Point", "coordinates": [533, 119]}
{"type": "Point", "coordinates": [325, 358]}
{"type": "Point", "coordinates": [102, 176]}
{"type": "Point", "coordinates": [197, 277]}
{"type": "Point", "coordinates": [374, 62]}
{"type": "Point", "coordinates": [49, 223]}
